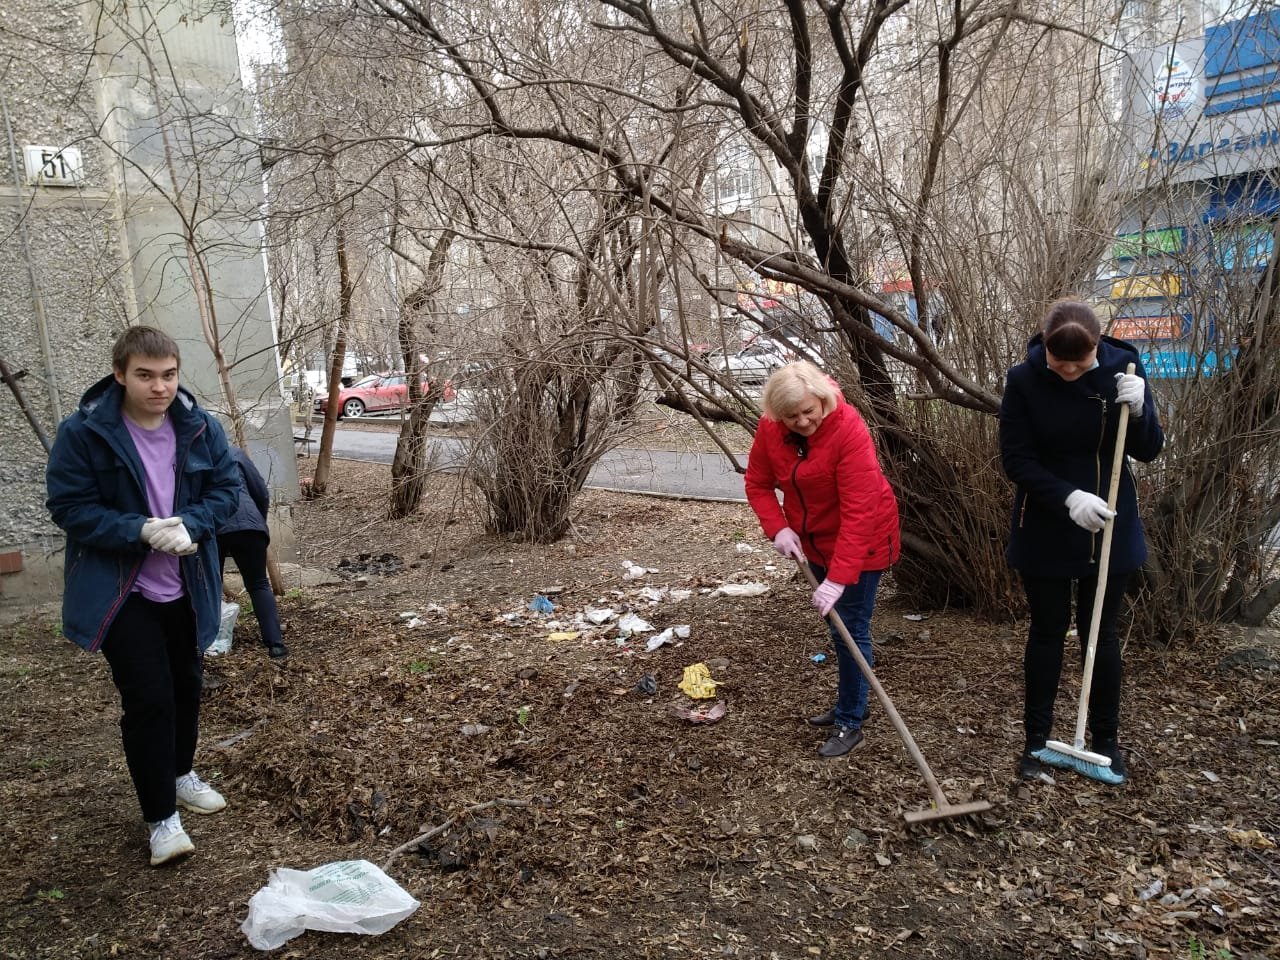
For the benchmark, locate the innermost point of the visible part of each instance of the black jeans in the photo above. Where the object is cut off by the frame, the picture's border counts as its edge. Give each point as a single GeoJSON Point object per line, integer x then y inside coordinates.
{"type": "Point", "coordinates": [1049, 600]}
{"type": "Point", "coordinates": [157, 668]}
{"type": "Point", "coordinates": [248, 548]}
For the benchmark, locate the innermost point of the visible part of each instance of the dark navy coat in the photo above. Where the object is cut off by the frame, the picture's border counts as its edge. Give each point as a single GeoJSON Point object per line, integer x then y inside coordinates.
{"type": "Point", "coordinates": [253, 501]}
{"type": "Point", "coordinates": [1057, 437]}
{"type": "Point", "coordinates": [97, 496]}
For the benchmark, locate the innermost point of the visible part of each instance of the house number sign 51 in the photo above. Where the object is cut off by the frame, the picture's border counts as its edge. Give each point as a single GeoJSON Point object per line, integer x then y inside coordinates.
{"type": "Point", "coordinates": [53, 166]}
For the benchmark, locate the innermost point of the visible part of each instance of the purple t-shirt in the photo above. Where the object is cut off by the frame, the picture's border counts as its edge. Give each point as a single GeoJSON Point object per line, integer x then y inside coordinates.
{"type": "Point", "coordinates": [160, 579]}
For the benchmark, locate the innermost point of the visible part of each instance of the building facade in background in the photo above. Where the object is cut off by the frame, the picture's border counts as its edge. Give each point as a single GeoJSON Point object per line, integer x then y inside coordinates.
{"type": "Point", "coordinates": [130, 166]}
{"type": "Point", "coordinates": [1198, 229]}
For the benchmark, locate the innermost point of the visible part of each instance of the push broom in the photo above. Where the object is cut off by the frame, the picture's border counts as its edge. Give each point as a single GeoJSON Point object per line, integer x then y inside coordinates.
{"type": "Point", "coordinates": [1073, 756]}
{"type": "Point", "coordinates": [941, 809]}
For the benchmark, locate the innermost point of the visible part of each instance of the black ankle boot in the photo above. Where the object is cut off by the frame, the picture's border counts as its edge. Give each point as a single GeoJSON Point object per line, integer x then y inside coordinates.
{"type": "Point", "coordinates": [1110, 748]}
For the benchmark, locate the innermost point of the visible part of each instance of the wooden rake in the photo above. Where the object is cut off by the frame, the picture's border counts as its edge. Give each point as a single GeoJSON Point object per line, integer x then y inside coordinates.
{"type": "Point", "coordinates": [941, 808]}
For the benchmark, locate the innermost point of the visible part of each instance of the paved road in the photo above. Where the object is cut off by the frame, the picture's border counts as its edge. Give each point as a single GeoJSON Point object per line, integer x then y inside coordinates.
{"type": "Point", "coordinates": [700, 475]}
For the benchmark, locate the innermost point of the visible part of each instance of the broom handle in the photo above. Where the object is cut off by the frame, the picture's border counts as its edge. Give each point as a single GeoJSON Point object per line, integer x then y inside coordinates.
{"type": "Point", "coordinates": [1100, 591]}
{"type": "Point", "coordinates": [939, 798]}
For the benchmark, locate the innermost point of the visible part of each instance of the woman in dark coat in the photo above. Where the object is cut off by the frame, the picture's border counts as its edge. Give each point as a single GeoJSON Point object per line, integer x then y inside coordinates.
{"type": "Point", "coordinates": [245, 538]}
{"type": "Point", "coordinates": [1058, 422]}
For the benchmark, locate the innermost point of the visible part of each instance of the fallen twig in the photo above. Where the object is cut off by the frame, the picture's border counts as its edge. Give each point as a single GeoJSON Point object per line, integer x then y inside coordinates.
{"type": "Point", "coordinates": [436, 831]}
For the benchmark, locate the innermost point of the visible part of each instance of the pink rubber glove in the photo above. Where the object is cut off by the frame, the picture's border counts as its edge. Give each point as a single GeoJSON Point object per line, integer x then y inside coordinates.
{"type": "Point", "coordinates": [825, 597]}
{"type": "Point", "coordinates": [787, 543]}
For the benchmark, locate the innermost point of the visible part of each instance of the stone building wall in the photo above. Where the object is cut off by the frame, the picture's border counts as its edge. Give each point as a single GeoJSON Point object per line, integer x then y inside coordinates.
{"type": "Point", "coordinates": [108, 250]}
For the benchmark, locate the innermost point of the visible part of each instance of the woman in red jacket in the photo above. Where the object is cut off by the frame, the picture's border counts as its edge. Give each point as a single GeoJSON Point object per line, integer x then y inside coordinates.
{"type": "Point", "coordinates": [837, 511]}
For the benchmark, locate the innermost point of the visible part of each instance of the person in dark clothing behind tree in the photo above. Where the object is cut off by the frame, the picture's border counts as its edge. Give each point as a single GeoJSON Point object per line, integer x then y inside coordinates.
{"type": "Point", "coordinates": [1058, 422]}
{"type": "Point", "coordinates": [244, 538]}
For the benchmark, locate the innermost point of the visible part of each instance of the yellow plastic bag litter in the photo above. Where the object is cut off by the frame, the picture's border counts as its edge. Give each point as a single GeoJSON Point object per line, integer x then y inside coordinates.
{"type": "Point", "coordinates": [697, 682]}
{"type": "Point", "coordinates": [564, 635]}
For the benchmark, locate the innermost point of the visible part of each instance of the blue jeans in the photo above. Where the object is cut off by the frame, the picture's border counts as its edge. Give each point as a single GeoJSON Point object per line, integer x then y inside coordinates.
{"type": "Point", "coordinates": [855, 607]}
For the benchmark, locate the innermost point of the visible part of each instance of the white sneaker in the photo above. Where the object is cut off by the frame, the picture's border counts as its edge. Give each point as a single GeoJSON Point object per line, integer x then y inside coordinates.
{"type": "Point", "coordinates": [169, 841]}
{"type": "Point", "coordinates": [198, 796]}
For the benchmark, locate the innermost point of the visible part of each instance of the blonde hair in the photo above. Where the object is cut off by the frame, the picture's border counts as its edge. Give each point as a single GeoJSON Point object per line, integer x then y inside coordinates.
{"type": "Point", "coordinates": [788, 387]}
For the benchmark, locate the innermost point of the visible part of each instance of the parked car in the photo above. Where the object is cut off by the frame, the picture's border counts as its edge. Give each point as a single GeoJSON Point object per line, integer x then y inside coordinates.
{"type": "Point", "coordinates": [374, 394]}
{"type": "Point", "coordinates": [753, 363]}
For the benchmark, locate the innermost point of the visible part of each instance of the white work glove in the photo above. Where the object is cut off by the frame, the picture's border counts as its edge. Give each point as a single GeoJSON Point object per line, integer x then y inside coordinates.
{"type": "Point", "coordinates": [151, 527]}
{"type": "Point", "coordinates": [825, 597]}
{"type": "Point", "coordinates": [1088, 511]}
{"type": "Point", "coordinates": [1131, 389]}
{"type": "Point", "coordinates": [787, 543]}
{"type": "Point", "coordinates": [173, 539]}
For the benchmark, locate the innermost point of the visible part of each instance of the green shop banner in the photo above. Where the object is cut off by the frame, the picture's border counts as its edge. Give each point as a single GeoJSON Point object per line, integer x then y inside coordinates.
{"type": "Point", "coordinates": [1130, 246]}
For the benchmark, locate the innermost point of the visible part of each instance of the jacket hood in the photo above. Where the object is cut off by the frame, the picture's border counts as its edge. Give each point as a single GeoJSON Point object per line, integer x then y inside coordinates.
{"type": "Point", "coordinates": [105, 396]}
{"type": "Point", "coordinates": [1113, 354]}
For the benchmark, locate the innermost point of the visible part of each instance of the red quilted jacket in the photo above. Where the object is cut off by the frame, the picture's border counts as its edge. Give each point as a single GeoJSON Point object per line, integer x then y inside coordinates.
{"type": "Point", "coordinates": [833, 493]}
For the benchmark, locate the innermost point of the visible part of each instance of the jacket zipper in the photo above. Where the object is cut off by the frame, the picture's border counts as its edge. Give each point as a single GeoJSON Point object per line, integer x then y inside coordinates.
{"type": "Point", "coordinates": [1097, 471]}
{"type": "Point", "coordinates": [804, 509]}
{"type": "Point", "coordinates": [177, 487]}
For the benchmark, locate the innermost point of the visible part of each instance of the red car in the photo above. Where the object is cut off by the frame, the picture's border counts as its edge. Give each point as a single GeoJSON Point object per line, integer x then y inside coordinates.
{"type": "Point", "coordinates": [376, 393]}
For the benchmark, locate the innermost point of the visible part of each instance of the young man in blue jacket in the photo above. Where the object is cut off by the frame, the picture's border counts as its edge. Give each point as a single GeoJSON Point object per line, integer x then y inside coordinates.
{"type": "Point", "coordinates": [140, 478]}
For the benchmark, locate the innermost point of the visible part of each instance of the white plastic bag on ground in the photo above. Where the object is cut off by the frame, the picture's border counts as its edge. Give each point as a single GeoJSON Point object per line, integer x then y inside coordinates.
{"type": "Point", "coordinates": [740, 590]}
{"type": "Point", "coordinates": [350, 896]}
{"type": "Point", "coordinates": [226, 628]}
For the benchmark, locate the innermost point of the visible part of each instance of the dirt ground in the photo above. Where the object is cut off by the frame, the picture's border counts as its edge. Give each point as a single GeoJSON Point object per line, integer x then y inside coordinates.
{"type": "Point", "coordinates": [425, 685]}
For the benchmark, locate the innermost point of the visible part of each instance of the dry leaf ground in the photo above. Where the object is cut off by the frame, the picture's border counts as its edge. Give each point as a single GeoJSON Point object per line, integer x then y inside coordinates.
{"type": "Point", "coordinates": [644, 835]}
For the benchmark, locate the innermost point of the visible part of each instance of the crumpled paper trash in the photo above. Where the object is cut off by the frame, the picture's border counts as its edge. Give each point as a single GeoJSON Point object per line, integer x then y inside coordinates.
{"type": "Point", "coordinates": [349, 896]}
{"type": "Point", "coordinates": [740, 590]}
{"type": "Point", "coordinates": [705, 713]}
{"type": "Point", "coordinates": [697, 682]}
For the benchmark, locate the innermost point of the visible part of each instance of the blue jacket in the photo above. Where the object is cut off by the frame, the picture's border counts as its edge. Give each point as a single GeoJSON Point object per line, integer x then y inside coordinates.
{"type": "Point", "coordinates": [97, 496]}
{"type": "Point", "coordinates": [1056, 437]}
{"type": "Point", "coordinates": [253, 500]}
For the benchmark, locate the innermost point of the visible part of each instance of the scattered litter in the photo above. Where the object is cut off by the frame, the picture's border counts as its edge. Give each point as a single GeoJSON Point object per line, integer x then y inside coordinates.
{"type": "Point", "coordinates": [1210, 776]}
{"type": "Point", "coordinates": [552, 591]}
{"type": "Point", "coordinates": [571, 689]}
{"type": "Point", "coordinates": [351, 896]}
{"type": "Point", "coordinates": [436, 609]}
{"type": "Point", "coordinates": [744, 548]}
{"type": "Point", "coordinates": [707, 713]}
{"type": "Point", "coordinates": [564, 635]}
{"type": "Point", "coordinates": [668, 635]}
{"type": "Point", "coordinates": [226, 629]}
{"type": "Point", "coordinates": [1154, 890]}
{"type": "Point", "coordinates": [630, 623]}
{"type": "Point", "coordinates": [633, 571]}
{"type": "Point", "coordinates": [599, 615]}
{"type": "Point", "coordinates": [697, 682]}
{"type": "Point", "coordinates": [819, 658]}
{"type": "Point", "coordinates": [677, 595]}
{"type": "Point", "coordinates": [474, 729]}
{"type": "Point", "coordinates": [652, 594]}
{"type": "Point", "coordinates": [806, 843]}
{"type": "Point", "coordinates": [541, 605]}
{"type": "Point", "coordinates": [648, 684]}
{"type": "Point", "coordinates": [415, 622]}
{"type": "Point", "coordinates": [915, 616]}
{"type": "Point", "coordinates": [1255, 839]}
{"type": "Point", "coordinates": [408, 614]}
{"type": "Point", "coordinates": [740, 590]}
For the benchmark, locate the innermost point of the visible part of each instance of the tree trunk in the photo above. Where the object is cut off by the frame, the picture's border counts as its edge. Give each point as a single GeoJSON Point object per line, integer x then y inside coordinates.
{"type": "Point", "coordinates": [320, 482]}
